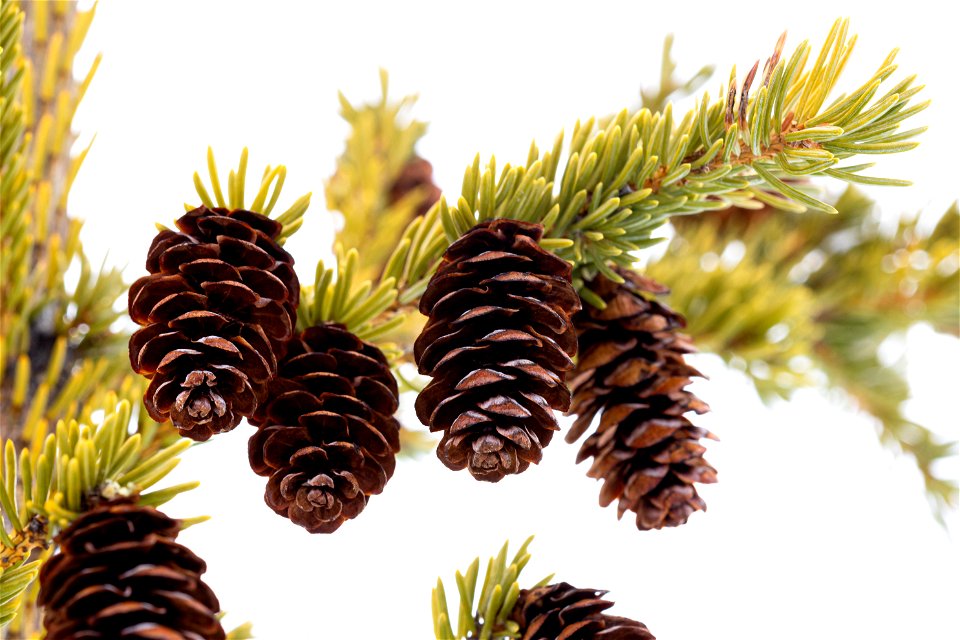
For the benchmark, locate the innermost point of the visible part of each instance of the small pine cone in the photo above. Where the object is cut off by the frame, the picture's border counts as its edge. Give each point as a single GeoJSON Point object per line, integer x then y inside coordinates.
{"type": "Point", "coordinates": [632, 372]}
{"type": "Point", "coordinates": [562, 612]}
{"type": "Point", "coordinates": [498, 343]}
{"type": "Point", "coordinates": [121, 574]}
{"type": "Point", "coordinates": [416, 174]}
{"type": "Point", "coordinates": [327, 439]}
{"type": "Point", "coordinates": [216, 310]}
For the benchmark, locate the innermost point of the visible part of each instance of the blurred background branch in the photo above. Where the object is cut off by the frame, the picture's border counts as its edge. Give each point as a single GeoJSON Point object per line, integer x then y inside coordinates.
{"type": "Point", "coordinates": [807, 299]}
{"type": "Point", "coordinates": [65, 379]}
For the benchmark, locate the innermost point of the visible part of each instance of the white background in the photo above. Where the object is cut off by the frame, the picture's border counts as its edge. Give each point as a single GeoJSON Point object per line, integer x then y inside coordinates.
{"type": "Point", "coordinates": [813, 531]}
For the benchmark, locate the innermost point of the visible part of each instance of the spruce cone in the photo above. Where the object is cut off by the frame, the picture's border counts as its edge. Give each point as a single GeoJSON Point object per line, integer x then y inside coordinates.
{"type": "Point", "coordinates": [416, 174]}
{"type": "Point", "coordinates": [562, 612]}
{"type": "Point", "coordinates": [632, 372]}
{"type": "Point", "coordinates": [217, 309]}
{"type": "Point", "coordinates": [498, 343]}
{"type": "Point", "coordinates": [327, 439]}
{"type": "Point", "coordinates": [120, 574]}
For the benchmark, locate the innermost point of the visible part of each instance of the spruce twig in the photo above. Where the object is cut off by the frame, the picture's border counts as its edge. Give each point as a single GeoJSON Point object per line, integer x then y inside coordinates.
{"type": "Point", "coordinates": [622, 181]}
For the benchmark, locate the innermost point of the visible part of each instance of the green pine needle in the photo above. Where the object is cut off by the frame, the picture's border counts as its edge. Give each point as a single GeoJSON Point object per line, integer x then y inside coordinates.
{"type": "Point", "coordinates": [264, 200]}
{"type": "Point", "coordinates": [484, 615]}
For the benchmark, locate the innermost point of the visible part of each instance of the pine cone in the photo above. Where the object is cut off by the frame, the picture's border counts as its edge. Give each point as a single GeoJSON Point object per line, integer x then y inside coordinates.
{"type": "Point", "coordinates": [498, 343]}
{"type": "Point", "coordinates": [632, 371]}
{"type": "Point", "coordinates": [416, 174]}
{"type": "Point", "coordinates": [562, 612]}
{"type": "Point", "coordinates": [217, 309]}
{"type": "Point", "coordinates": [327, 439]}
{"type": "Point", "coordinates": [120, 574]}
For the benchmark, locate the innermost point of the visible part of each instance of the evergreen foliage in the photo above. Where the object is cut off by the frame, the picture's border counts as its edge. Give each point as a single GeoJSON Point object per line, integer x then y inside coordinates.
{"type": "Point", "coordinates": [840, 285]}
{"type": "Point", "coordinates": [484, 614]}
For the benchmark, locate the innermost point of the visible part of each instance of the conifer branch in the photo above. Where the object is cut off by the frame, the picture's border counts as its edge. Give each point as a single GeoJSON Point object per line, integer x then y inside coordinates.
{"type": "Point", "coordinates": [60, 361]}
{"type": "Point", "coordinates": [14, 582]}
{"type": "Point", "coordinates": [77, 466]}
{"type": "Point", "coordinates": [623, 180]}
{"type": "Point", "coordinates": [848, 356]}
{"type": "Point", "coordinates": [63, 363]}
{"type": "Point", "coordinates": [58, 343]}
{"type": "Point", "coordinates": [484, 614]}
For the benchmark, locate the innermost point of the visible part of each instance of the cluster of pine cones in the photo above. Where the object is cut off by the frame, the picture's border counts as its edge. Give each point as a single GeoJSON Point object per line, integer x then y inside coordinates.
{"type": "Point", "coordinates": [219, 343]}
{"type": "Point", "coordinates": [504, 326]}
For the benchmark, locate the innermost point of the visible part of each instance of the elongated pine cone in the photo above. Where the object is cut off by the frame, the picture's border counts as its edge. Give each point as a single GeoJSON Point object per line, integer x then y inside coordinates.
{"type": "Point", "coordinates": [121, 574]}
{"type": "Point", "coordinates": [327, 440]}
{"type": "Point", "coordinates": [562, 612]}
{"type": "Point", "coordinates": [632, 372]}
{"type": "Point", "coordinates": [498, 343]}
{"type": "Point", "coordinates": [216, 310]}
{"type": "Point", "coordinates": [416, 174]}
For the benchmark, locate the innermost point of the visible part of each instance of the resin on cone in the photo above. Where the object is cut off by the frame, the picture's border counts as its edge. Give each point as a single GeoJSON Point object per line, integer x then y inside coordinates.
{"type": "Point", "coordinates": [498, 343]}
{"type": "Point", "coordinates": [121, 574]}
{"type": "Point", "coordinates": [562, 612]}
{"type": "Point", "coordinates": [327, 439]}
{"type": "Point", "coordinates": [633, 374]}
{"type": "Point", "coordinates": [216, 312]}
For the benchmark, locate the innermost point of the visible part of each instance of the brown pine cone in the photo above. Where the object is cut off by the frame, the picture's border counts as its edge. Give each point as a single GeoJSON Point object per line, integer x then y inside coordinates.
{"type": "Point", "coordinates": [120, 574]}
{"type": "Point", "coordinates": [632, 372]}
{"type": "Point", "coordinates": [327, 439]}
{"type": "Point", "coordinates": [216, 310]}
{"type": "Point", "coordinates": [562, 612]}
{"type": "Point", "coordinates": [416, 174]}
{"type": "Point", "coordinates": [498, 343]}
